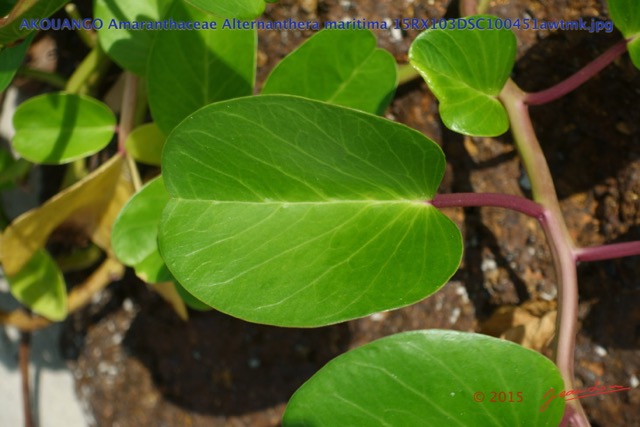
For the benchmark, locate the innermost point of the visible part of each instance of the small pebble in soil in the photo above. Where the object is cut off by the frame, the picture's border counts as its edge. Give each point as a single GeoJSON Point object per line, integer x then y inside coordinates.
{"type": "Point", "coordinates": [254, 363]}
{"type": "Point", "coordinates": [600, 351]}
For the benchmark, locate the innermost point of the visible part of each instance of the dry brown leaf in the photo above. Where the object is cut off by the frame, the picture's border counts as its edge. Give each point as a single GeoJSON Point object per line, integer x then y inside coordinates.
{"type": "Point", "coordinates": [531, 324]}
{"type": "Point", "coordinates": [88, 206]}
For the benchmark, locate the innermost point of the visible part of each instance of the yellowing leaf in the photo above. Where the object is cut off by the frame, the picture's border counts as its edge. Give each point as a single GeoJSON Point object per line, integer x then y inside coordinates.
{"type": "Point", "coordinates": [88, 206]}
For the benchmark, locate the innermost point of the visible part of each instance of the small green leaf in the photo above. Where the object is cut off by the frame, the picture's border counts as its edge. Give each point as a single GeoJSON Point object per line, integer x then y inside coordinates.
{"type": "Point", "coordinates": [135, 232]}
{"type": "Point", "coordinates": [10, 60]}
{"type": "Point", "coordinates": [41, 287]}
{"type": "Point", "coordinates": [342, 67]}
{"type": "Point", "coordinates": [190, 69]}
{"type": "Point", "coordinates": [294, 212]}
{"type": "Point", "coordinates": [625, 15]}
{"type": "Point", "coordinates": [26, 10]}
{"type": "Point", "coordinates": [145, 144]}
{"type": "Point", "coordinates": [430, 378]}
{"type": "Point", "coordinates": [59, 127]}
{"type": "Point", "coordinates": [466, 69]}
{"type": "Point", "coordinates": [129, 47]}
{"type": "Point", "coordinates": [241, 9]}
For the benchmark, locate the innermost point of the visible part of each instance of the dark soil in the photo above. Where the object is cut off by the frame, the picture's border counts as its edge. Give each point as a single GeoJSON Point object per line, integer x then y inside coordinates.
{"type": "Point", "coordinates": [137, 364]}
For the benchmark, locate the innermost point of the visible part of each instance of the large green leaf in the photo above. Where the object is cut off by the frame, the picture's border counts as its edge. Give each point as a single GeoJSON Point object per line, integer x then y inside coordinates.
{"type": "Point", "coordinates": [625, 14]}
{"type": "Point", "coordinates": [10, 60]}
{"type": "Point", "coordinates": [129, 47]}
{"type": "Point", "coordinates": [339, 66]}
{"type": "Point", "coordinates": [466, 69]}
{"type": "Point", "coordinates": [190, 69]}
{"type": "Point", "coordinates": [289, 211]}
{"type": "Point", "coordinates": [60, 127]}
{"type": "Point", "coordinates": [26, 10]}
{"type": "Point", "coordinates": [241, 9]}
{"type": "Point", "coordinates": [41, 287]}
{"type": "Point", "coordinates": [430, 378]}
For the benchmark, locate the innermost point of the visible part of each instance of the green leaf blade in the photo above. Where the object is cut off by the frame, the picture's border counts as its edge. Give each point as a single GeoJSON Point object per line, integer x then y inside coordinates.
{"type": "Point", "coordinates": [129, 48]}
{"type": "Point", "coordinates": [314, 213]}
{"type": "Point", "coordinates": [343, 67]}
{"type": "Point", "coordinates": [41, 287]}
{"type": "Point", "coordinates": [135, 232]}
{"type": "Point", "coordinates": [625, 15]}
{"type": "Point", "coordinates": [466, 69]}
{"type": "Point", "coordinates": [58, 128]}
{"type": "Point", "coordinates": [10, 60]}
{"type": "Point", "coordinates": [190, 69]}
{"type": "Point", "coordinates": [423, 378]}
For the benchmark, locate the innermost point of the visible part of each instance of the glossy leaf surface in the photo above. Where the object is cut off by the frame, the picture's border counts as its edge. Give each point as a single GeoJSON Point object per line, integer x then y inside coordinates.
{"type": "Point", "coordinates": [342, 67]}
{"type": "Point", "coordinates": [190, 69]}
{"type": "Point", "coordinates": [59, 127]}
{"type": "Point", "coordinates": [242, 9]}
{"type": "Point", "coordinates": [430, 378]}
{"type": "Point", "coordinates": [466, 69]}
{"type": "Point", "coordinates": [294, 212]}
{"type": "Point", "coordinates": [625, 14]}
{"type": "Point", "coordinates": [41, 287]}
{"type": "Point", "coordinates": [129, 47]}
{"type": "Point", "coordinates": [10, 60]}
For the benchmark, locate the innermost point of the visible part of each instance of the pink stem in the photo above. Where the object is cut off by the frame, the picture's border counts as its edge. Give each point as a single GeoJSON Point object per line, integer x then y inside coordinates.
{"type": "Point", "coordinates": [577, 79]}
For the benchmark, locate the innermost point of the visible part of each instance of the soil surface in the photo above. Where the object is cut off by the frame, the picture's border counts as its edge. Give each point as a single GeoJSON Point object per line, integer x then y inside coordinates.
{"type": "Point", "coordinates": [137, 364]}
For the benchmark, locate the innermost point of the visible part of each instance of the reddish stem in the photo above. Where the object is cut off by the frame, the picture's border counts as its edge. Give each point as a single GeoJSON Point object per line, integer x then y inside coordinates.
{"type": "Point", "coordinates": [615, 250]}
{"type": "Point", "coordinates": [577, 79]}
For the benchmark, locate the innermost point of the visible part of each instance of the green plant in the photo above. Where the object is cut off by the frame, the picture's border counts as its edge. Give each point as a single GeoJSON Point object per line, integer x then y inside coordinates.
{"type": "Point", "coordinates": [298, 207]}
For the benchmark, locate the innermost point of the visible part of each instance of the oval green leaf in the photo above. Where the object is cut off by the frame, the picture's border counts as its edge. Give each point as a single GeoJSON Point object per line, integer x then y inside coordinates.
{"type": "Point", "coordinates": [430, 378]}
{"type": "Point", "coordinates": [41, 287]}
{"type": "Point", "coordinates": [466, 69]}
{"type": "Point", "coordinates": [190, 69]}
{"type": "Point", "coordinates": [625, 15]}
{"type": "Point", "coordinates": [145, 144]}
{"type": "Point", "coordinates": [129, 47]}
{"type": "Point", "coordinates": [294, 212]}
{"type": "Point", "coordinates": [59, 127]}
{"type": "Point", "coordinates": [135, 232]}
{"type": "Point", "coordinates": [10, 60]}
{"type": "Point", "coordinates": [342, 67]}
{"type": "Point", "coordinates": [241, 9]}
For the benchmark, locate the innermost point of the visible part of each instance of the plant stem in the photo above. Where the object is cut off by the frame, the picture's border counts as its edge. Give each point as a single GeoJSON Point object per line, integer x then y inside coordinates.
{"type": "Point", "coordinates": [543, 189]}
{"type": "Point", "coordinates": [89, 72]}
{"type": "Point", "coordinates": [52, 79]}
{"type": "Point", "coordinates": [507, 201]}
{"type": "Point", "coordinates": [23, 357]}
{"type": "Point", "coordinates": [577, 79]}
{"type": "Point", "coordinates": [127, 120]}
{"type": "Point", "coordinates": [406, 73]}
{"type": "Point", "coordinates": [87, 37]}
{"type": "Point", "coordinates": [615, 250]}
